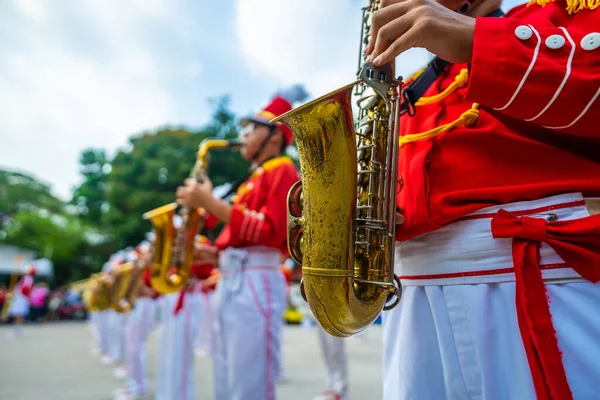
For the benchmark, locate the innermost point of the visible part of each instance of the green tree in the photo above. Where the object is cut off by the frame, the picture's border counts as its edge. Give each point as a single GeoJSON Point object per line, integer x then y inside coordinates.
{"type": "Point", "coordinates": [36, 220]}
{"type": "Point", "coordinates": [90, 197]}
{"type": "Point", "coordinates": [22, 192]}
{"type": "Point", "coordinates": [147, 175]}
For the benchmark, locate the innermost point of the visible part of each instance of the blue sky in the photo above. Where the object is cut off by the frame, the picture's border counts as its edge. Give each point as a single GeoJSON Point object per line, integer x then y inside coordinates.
{"type": "Point", "coordinates": [90, 73]}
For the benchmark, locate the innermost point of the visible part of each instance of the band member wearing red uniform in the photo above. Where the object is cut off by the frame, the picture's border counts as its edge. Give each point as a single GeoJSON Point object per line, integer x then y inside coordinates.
{"type": "Point", "coordinates": [180, 314]}
{"type": "Point", "coordinates": [250, 297]}
{"type": "Point", "coordinates": [140, 324]}
{"type": "Point", "coordinates": [499, 251]}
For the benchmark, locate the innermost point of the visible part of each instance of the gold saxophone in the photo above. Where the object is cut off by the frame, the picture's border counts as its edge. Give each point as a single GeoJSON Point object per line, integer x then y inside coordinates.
{"type": "Point", "coordinates": [96, 293]}
{"type": "Point", "coordinates": [342, 215]}
{"type": "Point", "coordinates": [129, 293]}
{"type": "Point", "coordinates": [173, 246]}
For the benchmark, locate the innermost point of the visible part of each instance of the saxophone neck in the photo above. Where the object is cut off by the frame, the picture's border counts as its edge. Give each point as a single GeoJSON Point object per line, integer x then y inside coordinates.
{"type": "Point", "coordinates": [200, 169]}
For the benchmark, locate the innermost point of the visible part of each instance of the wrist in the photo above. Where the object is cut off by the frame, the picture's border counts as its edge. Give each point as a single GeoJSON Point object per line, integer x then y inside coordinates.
{"type": "Point", "coordinates": [211, 203]}
{"type": "Point", "coordinates": [467, 43]}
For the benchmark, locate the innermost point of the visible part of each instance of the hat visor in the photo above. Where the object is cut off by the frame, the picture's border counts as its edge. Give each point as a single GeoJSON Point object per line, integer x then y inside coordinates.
{"type": "Point", "coordinates": [256, 119]}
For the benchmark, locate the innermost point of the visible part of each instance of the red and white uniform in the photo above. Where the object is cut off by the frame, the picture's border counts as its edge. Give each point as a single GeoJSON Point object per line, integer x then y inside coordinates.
{"type": "Point", "coordinates": [181, 316]}
{"type": "Point", "coordinates": [502, 304]}
{"type": "Point", "coordinates": [251, 295]}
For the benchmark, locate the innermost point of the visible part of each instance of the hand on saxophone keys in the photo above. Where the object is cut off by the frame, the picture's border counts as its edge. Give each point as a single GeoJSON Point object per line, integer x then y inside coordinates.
{"type": "Point", "coordinates": [399, 218]}
{"type": "Point", "coordinates": [400, 25]}
{"type": "Point", "coordinates": [195, 194]}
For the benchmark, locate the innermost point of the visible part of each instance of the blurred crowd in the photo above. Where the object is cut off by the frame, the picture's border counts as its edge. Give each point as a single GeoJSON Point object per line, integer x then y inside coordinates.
{"type": "Point", "coordinates": [46, 305]}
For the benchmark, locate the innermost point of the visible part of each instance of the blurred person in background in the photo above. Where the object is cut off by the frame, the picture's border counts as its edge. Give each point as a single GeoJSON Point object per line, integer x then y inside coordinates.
{"type": "Point", "coordinates": [20, 303]}
{"type": "Point", "coordinates": [39, 301]}
{"type": "Point", "coordinates": [140, 325]}
{"type": "Point", "coordinates": [3, 293]}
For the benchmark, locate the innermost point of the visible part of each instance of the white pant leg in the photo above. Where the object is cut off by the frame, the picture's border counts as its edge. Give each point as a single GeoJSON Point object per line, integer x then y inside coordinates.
{"type": "Point", "coordinates": [334, 355]}
{"type": "Point", "coordinates": [219, 348]}
{"type": "Point", "coordinates": [139, 326]}
{"type": "Point", "coordinates": [94, 328]}
{"type": "Point", "coordinates": [176, 360]}
{"type": "Point", "coordinates": [463, 342]}
{"type": "Point", "coordinates": [104, 331]}
{"type": "Point", "coordinates": [247, 337]}
{"type": "Point", "coordinates": [205, 324]}
{"type": "Point", "coordinates": [117, 335]}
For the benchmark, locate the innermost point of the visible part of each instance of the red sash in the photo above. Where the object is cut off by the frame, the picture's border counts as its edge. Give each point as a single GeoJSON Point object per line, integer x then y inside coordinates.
{"type": "Point", "coordinates": [577, 242]}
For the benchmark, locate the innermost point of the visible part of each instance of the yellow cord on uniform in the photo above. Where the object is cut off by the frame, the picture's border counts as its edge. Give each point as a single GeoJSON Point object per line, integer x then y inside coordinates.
{"type": "Point", "coordinates": [573, 6]}
{"type": "Point", "coordinates": [467, 118]}
{"type": "Point", "coordinates": [460, 81]}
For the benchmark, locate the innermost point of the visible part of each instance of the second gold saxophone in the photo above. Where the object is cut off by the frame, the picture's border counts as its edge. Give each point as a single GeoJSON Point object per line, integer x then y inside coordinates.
{"type": "Point", "coordinates": [175, 229]}
{"type": "Point", "coordinates": [342, 213]}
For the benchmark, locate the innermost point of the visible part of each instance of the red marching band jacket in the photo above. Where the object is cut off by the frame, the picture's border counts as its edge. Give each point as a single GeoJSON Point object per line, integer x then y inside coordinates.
{"type": "Point", "coordinates": [518, 123]}
{"type": "Point", "coordinates": [259, 213]}
{"type": "Point", "coordinates": [258, 216]}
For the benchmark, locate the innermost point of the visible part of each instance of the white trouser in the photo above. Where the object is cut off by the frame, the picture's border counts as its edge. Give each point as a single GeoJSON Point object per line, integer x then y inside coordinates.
{"type": "Point", "coordinates": [116, 340]}
{"type": "Point", "coordinates": [94, 328]}
{"type": "Point", "coordinates": [103, 326]}
{"type": "Point", "coordinates": [456, 336]}
{"type": "Point", "coordinates": [249, 303]}
{"type": "Point", "coordinates": [334, 355]}
{"type": "Point", "coordinates": [206, 312]}
{"type": "Point", "coordinates": [175, 376]}
{"type": "Point", "coordinates": [139, 326]}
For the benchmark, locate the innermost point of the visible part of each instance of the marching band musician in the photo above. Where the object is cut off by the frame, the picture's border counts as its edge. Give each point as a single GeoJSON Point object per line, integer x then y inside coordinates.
{"type": "Point", "coordinates": [140, 324]}
{"type": "Point", "coordinates": [180, 313]}
{"type": "Point", "coordinates": [499, 234]}
{"type": "Point", "coordinates": [19, 306]}
{"type": "Point", "coordinates": [250, 296]}
{"type": "Point", "coordinates": [116, 323]}
{"type": "Point", "coordinates": [101, 321]}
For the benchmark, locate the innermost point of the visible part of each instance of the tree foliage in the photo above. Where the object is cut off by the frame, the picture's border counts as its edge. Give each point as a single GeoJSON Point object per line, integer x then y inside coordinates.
{"type": "Point", "coordinates": [105, 212]}
{"type": "Point", "coordinates": [147, 175]}
{"type": "Point", "coordinates": [22, 192]}
{"type": "Point", "coordinates": [90, 197]}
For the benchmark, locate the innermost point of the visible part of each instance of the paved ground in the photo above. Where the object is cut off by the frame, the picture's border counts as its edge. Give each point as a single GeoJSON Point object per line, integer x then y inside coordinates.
{"type": "Point", "coordinates": [53, 362]}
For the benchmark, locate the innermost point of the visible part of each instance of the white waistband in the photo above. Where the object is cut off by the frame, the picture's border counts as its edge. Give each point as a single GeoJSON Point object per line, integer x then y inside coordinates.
{"type": "Point", "coordinates": [465, 252]}
{"type": "Point", "coordinates": [250, 257]}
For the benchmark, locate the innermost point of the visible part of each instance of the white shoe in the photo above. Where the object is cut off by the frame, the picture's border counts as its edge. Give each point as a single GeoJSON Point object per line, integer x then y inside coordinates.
{"type": "Point", "coordinates": [125, 394]}
{"type": "Point", "coordinates": [120, 373]}
{"type": "Point", "coordinates": [328, 395]}
{"type": "Point", "coordinates": [202, 353]}
{"type": "Point", "coordinates": [107, 360]}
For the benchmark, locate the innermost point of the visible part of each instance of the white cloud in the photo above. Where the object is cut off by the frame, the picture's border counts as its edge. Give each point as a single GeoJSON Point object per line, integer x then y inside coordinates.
{"type": "Point", "coordinates": [60, 93]}
{"type": "Point", "coordinates": [32, 9]}
{"type": "Point", "coordinates": [311, 41]}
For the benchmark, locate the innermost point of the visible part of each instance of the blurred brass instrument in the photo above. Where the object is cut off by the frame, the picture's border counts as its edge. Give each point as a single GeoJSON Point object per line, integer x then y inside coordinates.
{"type": "Point", "coordinates": [174, 243]}
{"type": "Point", "coordinates": [342, 215]}
{"type": "Point", "coordinates": [122, 294]}
{"type": "Point", "coordinates": [130, 290]}
{"type": "Point", "coordinates": [96, 295]}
